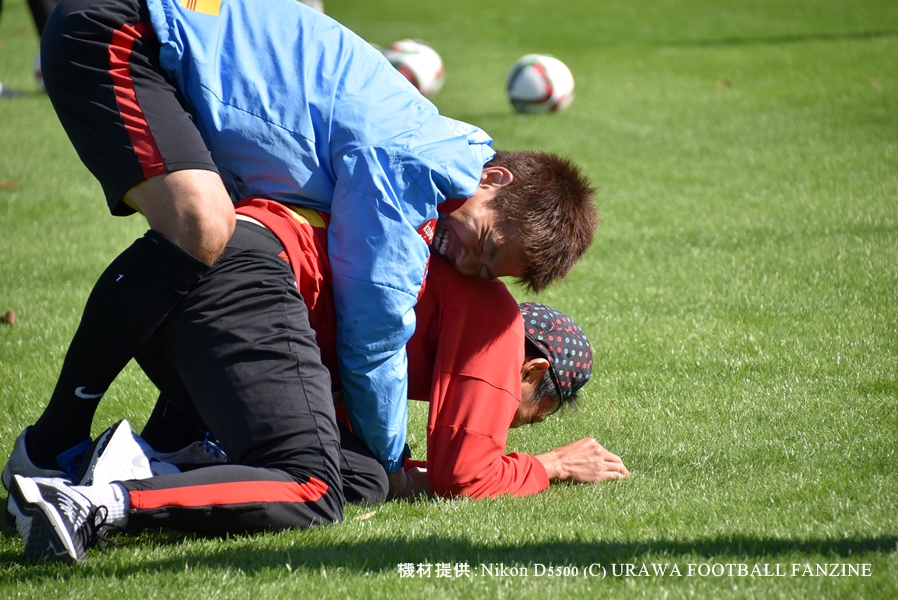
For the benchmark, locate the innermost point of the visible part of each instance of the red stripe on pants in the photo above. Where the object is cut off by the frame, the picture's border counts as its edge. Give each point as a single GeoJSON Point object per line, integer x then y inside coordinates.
{"type": "Point", "coordinates": [135, 124]}
{"type": "Point", "coordinates": [225, 494]}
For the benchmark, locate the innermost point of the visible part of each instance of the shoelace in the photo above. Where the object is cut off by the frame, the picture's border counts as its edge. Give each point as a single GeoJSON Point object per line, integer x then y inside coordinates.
{"type": "Point", "coordinates": [95, 529]}
{"type": "Point", "coordinates": [210, 446]}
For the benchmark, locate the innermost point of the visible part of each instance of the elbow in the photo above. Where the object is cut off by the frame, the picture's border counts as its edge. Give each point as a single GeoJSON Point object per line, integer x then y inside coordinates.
{"type": "Point", "coordinates": [459, 489]}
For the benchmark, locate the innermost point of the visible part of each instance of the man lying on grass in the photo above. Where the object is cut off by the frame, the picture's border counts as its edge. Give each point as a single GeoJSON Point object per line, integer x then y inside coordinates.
{"type": "Point", "coordinates": [463, 360]}
{"type": "Point", "coordinates": [165, 100]}
{"type": "Point", "coordinates": [240, 358]}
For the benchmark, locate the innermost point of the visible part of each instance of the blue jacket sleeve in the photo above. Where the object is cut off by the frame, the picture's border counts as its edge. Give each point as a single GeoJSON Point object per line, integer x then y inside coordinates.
{"type": "Point", "coordinates": [296, 108]}
{"type": "Point", "coordinates": [378, 261]}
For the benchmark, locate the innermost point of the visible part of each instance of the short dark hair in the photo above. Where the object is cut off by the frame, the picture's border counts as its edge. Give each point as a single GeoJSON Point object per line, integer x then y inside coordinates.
{"type": "Point", "coordinates": [553, 206]}
{"type": "Point", "coordinates": [547, 387]}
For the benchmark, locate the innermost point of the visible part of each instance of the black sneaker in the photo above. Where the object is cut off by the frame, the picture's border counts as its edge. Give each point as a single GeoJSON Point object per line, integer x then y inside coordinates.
{"type": "Point", "coordinates": [56, 523]}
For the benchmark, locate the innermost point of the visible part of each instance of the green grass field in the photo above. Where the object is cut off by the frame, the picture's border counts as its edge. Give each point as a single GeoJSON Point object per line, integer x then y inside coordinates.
{"type": "Point", "coordinates": [742, 299]}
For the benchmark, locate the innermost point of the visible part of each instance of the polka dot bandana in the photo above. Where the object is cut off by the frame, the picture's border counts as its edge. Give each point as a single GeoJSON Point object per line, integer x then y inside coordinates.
{"type": "Point", "coordinates": [564, 344]}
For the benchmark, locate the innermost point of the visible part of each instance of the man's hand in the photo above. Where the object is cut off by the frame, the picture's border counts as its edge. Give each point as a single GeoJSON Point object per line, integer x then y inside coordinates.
{"type": "Point", "coordinates": [584, 461]}
{"type": "Point", "coordinates": [418, 484]}
{"type": "Point", "coordinates": [408, 484]}
{"type": "Point", "coordinates": [398, 484]}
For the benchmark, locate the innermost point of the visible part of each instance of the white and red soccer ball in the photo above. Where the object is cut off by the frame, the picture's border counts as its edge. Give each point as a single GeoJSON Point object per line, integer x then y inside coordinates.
{"type": "Point", "coordinates": [419, 63]}
{"type": "Point", "coordinates": [540, 83]}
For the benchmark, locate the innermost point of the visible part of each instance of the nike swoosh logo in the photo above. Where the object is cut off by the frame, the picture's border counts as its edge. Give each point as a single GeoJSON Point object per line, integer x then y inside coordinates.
{"type": "Point", "coordinates": [82, 394]}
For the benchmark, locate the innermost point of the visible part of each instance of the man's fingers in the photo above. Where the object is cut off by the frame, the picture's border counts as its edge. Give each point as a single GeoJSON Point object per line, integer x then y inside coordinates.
{"type": "Point", "coordinates": [613, 465]}
{"type": "Point", "coordinates": [609, 456]}
{"type": "Point", "coordinates": [583, 461]}
{"type": "Point", "coordinates": [620, 468]}
{"type": "Point", "coordinates": [616, 469]}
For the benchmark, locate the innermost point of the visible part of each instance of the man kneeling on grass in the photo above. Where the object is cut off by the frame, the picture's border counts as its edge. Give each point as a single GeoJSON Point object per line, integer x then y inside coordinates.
{"type": "Point", "coordinates": [240, 358]}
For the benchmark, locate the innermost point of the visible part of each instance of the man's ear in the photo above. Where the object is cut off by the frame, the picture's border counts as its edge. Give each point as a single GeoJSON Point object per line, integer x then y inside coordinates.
{"type": "Point", "coordinates": [495, 177]}
{"type": "Point", "coordinates": [532, 370]}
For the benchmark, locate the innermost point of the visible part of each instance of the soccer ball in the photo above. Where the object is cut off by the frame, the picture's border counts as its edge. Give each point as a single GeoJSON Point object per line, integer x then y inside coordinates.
{"type": "Point", "coordinates": [540, 83]}
{"type": "Point", "coordinates": [419, 63]}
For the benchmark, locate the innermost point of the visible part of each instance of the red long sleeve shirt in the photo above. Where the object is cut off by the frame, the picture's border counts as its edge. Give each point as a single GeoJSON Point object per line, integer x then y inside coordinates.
{"type": "Point", "coordinates": [464, 358]}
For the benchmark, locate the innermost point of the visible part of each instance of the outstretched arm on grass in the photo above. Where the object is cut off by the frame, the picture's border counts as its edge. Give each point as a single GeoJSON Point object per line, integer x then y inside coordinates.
{"type": "Point", "coordinates": [584, 461]}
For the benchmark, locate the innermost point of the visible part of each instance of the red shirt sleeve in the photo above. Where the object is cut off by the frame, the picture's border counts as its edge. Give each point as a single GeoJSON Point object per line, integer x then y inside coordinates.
{"type": "Point", "coordinates": [471, 335]}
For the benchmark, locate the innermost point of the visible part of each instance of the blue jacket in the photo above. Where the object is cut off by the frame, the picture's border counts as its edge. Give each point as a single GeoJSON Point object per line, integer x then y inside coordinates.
{"type": "Point", "coordinates": [297, 108]}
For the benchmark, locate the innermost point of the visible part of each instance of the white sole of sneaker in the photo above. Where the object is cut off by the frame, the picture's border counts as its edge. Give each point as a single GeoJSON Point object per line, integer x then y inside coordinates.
{"type": "Point", "coordinates": [18, 517]}
{"type": "Point", "coordinates": [47, 537]}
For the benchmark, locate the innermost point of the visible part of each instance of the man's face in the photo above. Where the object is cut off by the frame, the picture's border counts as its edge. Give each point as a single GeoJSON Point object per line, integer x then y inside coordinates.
{"type": "Point", "coordinates": [478, 240]}
{"type": "Point", "coordinates": [531, 410]}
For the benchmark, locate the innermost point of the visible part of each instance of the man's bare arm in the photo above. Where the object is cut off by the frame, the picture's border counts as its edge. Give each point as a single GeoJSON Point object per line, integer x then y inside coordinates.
{"type": "Point", "coordinates": [412, 483]}
{"type": "Point", "coordinates": [398, 485]}
{"type": "Point", "coordinates": [418, 484]}
{"type": "Point", "coordinates": [584, 461]}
